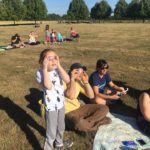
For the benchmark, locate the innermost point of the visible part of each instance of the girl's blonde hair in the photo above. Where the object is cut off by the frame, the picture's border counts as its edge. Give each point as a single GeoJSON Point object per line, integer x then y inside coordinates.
{"type": "Point", "coordinates": [43, 54]}
{"type": "Point", "coordinates": [47, 27]}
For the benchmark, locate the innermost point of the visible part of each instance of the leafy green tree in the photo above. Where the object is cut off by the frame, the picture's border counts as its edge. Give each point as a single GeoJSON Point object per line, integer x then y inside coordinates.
{"type": "Point", "coordinates": [2, 11]}
{"type": "Point", "coordinates": [65, 17]}
{"type": "Point", "coordinates": [78, 10]}
{"type": "Point", "coordinates": [53, 17]}
{"type": "Point", "coordinates": [144, 9]}
{"type": "Point", "coordinates": [95, 11]}
{"type": "Point", "coordinates": [133, 11]}
{"type": "Point", "coordinates": [120, 11]}
{"type": "Point", "coordinates": [148, 8]}
{"type": "Point", "coordinates": [101, 10]}
{"type": "Point", "coordinates": [36, 10]}
{"type": "Point", "coordinates": [13, 10]}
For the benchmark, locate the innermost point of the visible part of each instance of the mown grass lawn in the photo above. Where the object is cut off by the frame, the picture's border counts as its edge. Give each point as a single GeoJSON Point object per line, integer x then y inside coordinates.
{"type": "Point", "coordinates": [125, 46]}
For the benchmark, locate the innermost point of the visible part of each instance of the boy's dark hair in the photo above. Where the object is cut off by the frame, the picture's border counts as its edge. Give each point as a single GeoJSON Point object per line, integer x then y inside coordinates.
{"type": "Point", "coordinates": [17, 35]}
{"type": "Point", "coordinates": [76, 66]}
{"type": "Point", "coordinates": [43, 54]}
{"type": "Point", "coordinates": [101, 63]}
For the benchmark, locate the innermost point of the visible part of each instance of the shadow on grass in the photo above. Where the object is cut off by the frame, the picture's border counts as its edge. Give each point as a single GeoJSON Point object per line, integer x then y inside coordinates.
{"type": "Point", "coordinates": [33, 98]}
{"type": "Point", "coordinates": [122, 108]}
{"type": "Point", "coordinates": [134, 93]}
{"type": "Point", "coordinates": [23, 120]}
{"type": "Point", "coordinates": [2, 25]}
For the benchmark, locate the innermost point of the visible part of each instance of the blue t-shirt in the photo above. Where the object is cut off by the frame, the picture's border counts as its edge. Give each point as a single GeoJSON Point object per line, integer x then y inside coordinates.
{"type": "Point", "coordinates": [96, 80]}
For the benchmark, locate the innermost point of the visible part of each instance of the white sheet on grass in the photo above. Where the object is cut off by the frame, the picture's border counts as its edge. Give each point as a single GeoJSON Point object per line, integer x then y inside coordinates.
{"type": "Point", "coordinates": [122, 128]}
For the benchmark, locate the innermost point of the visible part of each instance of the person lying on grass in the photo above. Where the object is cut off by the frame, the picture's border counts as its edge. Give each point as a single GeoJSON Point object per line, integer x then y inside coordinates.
{"type": "Point", "coordinates": [99, 80]}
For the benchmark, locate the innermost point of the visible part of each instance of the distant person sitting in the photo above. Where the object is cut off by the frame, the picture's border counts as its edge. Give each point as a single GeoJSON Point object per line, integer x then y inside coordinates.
{"type": "Point", "coordinates": [59, 37]}
{"type": "Point", "coordinates": [99, 80]}
{"type": "Point", "coordinates": [73, 33]}
{"type": "Point", "coordinates": [33, 38]}
{"type": "Point", "coordinates": [143, 117]}
{"type": "Point", "coordinates": [16, 41]}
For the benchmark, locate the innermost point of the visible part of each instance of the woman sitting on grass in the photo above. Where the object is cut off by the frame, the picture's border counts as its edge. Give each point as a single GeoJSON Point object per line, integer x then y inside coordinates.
{"type": "Point", "coordinates": [73, 33]}
{"type": "Point", "coordinates": [99, 80]}
{"type": "Point", "coordinates": [143, 118]}
{"type": "Point", "coordinates": [16, 41]}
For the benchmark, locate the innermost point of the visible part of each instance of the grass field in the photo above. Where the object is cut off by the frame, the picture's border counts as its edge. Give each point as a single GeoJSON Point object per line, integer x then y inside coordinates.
{"type": "Point", "coordinates": [126, 47]}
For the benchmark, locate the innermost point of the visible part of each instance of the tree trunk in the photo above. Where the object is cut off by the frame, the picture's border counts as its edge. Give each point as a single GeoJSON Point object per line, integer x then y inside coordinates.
{"type": "Point", "coordinates": [14, 22]}
{"type": "Point", "coordinates": [143, 20]}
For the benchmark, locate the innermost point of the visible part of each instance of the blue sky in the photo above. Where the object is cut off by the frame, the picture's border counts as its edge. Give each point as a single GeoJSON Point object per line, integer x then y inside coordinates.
{"type": "Point", "coordinates": [61, 6]}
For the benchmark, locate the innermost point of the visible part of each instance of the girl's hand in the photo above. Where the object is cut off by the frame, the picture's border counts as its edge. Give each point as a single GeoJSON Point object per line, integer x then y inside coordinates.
{"type": "Point", "coordinates": [85, 77]}
{"type": "Point", "coordinates": [74, 74]}
{"type": "Point", "coordinates": [58, 61]}
{"type": "Point", "coordinates": [45, 63]}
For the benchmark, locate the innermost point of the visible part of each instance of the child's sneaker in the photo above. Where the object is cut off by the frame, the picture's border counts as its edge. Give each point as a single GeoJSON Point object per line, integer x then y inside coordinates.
{"type": "Point", "coordinates": [58, 146]}
{"type": "Point", "coordinates": [66, 144]}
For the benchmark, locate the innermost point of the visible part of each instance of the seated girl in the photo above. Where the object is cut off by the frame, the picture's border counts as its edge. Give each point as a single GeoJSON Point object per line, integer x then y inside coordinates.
{"type": "Point", "coordinates": [33, 38]}
{"type": "Point", "coordinates": [59, 37]}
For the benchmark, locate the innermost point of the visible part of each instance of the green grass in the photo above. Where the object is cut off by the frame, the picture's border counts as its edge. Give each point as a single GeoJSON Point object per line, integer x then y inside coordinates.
{"type": "Point", "coordinates": [124, 46]}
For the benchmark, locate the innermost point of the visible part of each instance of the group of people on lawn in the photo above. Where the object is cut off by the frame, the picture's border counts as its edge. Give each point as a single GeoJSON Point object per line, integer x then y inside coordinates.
{"type": "Point", "coordinates": [56, 37]}
{"type": "Point", "coordinates": [50, 37]}
{"type": "Point", "coordinates": [16, 41]}
{"type": "Point", "coordinates": [61, 91]}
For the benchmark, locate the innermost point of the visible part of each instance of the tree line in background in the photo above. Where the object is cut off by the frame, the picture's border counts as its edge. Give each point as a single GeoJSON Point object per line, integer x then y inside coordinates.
{"type": "Point", "coordinates": [22, 10]}
{"type": "Point", "coordinates": [78, 10]}
{"type": "Point", "coordinates": [36, 10]}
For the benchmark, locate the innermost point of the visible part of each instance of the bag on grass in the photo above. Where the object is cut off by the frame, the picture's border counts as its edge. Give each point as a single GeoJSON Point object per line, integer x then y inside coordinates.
{"type": "Point", "coordinates": [42, 108]}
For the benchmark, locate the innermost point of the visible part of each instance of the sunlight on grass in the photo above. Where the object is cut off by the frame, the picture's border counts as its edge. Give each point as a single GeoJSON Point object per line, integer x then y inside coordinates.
{"type": "Point", "coordinates": [124, 46]}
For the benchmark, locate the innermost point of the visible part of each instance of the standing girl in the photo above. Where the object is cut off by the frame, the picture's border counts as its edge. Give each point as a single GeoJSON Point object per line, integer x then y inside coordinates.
{"type": "Point", "coordinates": [47, 34]}
{"type": "Point", "coordinates": [51, 77]}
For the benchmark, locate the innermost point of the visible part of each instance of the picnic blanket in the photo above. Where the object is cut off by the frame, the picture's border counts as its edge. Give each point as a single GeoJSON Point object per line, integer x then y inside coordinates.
{"type": "Point", "coordinates": [122, 128]}
{"type": "Point", "coordinates": [7, 47]}
{"type": "Point", "coordinates": [1, 49]}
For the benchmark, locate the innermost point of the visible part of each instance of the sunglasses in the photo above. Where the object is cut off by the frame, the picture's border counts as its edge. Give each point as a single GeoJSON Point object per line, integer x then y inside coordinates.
{"type": "Point", "coordinates": [51, 58]}
{"type": "Point", "coordinates": [104, 68]}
